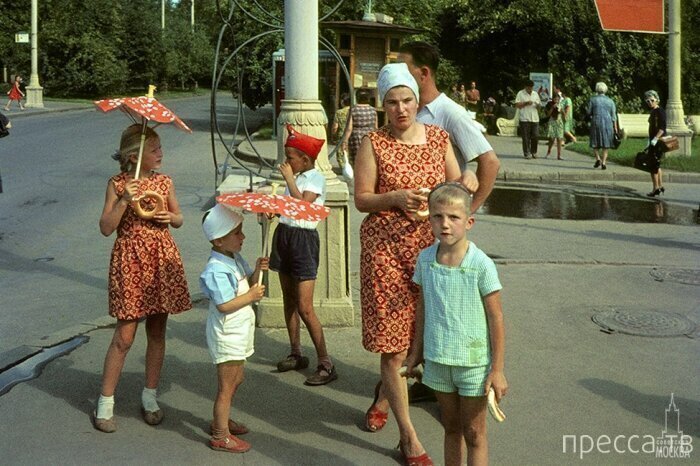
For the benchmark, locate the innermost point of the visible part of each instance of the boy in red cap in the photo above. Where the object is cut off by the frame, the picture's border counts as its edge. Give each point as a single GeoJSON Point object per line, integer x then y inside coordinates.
{"type": "Point", "coordinates": [295, 256]}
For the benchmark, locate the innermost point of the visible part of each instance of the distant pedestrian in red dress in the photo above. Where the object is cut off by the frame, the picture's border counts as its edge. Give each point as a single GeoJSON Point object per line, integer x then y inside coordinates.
{"type": "Point", "coordinates": [146, 275]}
{"type": "Point", "coordinates": [15, 94]}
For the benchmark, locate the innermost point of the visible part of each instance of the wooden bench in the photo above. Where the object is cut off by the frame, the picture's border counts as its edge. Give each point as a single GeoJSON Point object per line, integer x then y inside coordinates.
{"type": "Point", "coordinates": [508, 127]}
{"type": "Point", "coordinates": [634, 124]}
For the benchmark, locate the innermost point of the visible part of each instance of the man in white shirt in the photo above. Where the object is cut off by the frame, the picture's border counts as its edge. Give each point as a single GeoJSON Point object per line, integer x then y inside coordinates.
{"type": "Point", "coordinates": [436, 108]}
{"type": "Point", "coordinates": [528, 102]}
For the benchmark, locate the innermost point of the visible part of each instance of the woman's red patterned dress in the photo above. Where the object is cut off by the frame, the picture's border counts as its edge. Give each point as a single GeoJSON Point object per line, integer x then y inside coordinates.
{"type": "Point", "coordinates": [146, 275]}
{"type": "Point", "coordinates": [390, 241]}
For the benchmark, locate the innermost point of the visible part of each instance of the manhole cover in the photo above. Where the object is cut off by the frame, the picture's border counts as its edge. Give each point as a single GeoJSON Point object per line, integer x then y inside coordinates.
{"type": "Point", "coordinates": [687, 276]}
{"type": "Point", "coordinates": [644, 323]}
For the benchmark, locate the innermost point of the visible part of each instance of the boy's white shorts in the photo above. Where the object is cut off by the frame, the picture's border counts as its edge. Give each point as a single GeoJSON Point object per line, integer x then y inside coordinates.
{"type": "Point", "coordinates": [230, 337]}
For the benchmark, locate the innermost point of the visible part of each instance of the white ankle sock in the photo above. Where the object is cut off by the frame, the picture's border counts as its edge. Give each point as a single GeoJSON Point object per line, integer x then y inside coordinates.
{"type": "Point", "coordinates": [148, 400]}
{"type": "Point", "coordinates": [105, 407]}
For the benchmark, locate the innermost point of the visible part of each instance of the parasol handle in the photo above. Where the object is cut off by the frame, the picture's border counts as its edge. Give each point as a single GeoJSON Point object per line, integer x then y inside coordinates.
{"type": "Point", "coordinates": [267, 227]}
{"type": "Point", "coordinates": [143, 143]}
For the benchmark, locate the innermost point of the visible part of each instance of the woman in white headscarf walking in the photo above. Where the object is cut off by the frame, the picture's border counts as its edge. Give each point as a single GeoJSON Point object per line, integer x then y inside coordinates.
{"type": "Point", "coordinates": [397, 162]}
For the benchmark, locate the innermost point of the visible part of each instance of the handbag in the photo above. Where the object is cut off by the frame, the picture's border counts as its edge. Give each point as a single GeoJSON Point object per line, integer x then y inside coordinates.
{"type": "Point", "coordinates": [348, 172]}
{"type": "Point", "coordinates": [668, 143]}
{"type": "Point", "coordinates": [617, 139]}
{"type": "Point", "coordinates": [4, 124]}
{"type": "Point", "coordinates": [645, 161]}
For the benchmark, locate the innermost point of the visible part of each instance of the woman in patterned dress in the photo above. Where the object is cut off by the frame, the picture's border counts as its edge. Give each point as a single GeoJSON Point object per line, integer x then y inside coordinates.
{"type": "Point", "coordinates": [146, 275]}
{"type": "Point", "coordinates": [396, 162]}
{"type": "Point", "coordinates": [555, 125]}
{"type": "Point", "coordinates": [603, 117]}
{"type": "Point", "coordinates": [362, 120]}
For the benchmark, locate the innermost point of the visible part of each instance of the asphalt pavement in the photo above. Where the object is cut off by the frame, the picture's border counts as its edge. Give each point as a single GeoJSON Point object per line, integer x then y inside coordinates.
{"type": "Point", "coordinates": [573, 385]}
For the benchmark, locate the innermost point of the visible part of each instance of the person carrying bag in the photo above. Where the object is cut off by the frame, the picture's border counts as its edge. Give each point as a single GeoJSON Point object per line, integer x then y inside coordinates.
{"type": "Point", "coordinates": [5, 125]}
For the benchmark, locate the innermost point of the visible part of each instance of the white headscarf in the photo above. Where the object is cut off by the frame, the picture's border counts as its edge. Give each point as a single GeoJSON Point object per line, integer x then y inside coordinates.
{"type": "Point", "coordinates": [394, 75]}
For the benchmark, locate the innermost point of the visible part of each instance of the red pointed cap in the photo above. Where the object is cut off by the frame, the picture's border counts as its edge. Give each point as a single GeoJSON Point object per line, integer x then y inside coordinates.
{"type": "Point", "coordinates": [309, 145]}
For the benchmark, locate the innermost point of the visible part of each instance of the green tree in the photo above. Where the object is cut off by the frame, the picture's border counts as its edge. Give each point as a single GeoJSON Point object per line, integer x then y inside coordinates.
{"type": "Point", "coordinates": [80, 52]}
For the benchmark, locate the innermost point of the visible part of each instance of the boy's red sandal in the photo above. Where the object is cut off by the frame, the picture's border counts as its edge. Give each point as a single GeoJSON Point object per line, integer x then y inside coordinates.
{"type": "Point", "coordinates": [231, 444]}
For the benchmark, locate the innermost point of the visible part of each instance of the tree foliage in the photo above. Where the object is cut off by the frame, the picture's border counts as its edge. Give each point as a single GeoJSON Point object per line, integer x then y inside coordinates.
{"type": "Point", "coordinates": [501, 42]}
{"type": "Point", "coordinates": [91, 48]}
{"type": "Point", "coordinates": [107, 47]}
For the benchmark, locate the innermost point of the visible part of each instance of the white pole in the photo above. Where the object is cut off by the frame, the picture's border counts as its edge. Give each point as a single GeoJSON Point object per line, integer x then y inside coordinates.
{"type": "Point", "coordinates": [192, 16]}
{"type": "Point", "coordinates": [35, 93]}
{"type": "Point", "coordinates": [301, 49]}
{"type": "Point", "coordinates": [162, 14]}
{"type": "Point", "coordinates": [674, 106]}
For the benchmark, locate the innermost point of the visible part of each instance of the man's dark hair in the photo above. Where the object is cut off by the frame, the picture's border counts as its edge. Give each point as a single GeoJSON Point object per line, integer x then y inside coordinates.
{"type": "Point", "coordinates": [423, 54]}
{"type": "Point", "coordinates": [363, 96]}
{"type": "Point", "coordinates": [529, 83]}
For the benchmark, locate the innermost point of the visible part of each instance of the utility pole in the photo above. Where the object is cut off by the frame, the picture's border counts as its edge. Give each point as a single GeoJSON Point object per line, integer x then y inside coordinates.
{"type": "Point", "coordinates": [35, 93]}
{"type": "Point", "coordinates": [162, 14]}
{"type": "Point", "coordinates": [192, 16]}
{"type": "Point", "coordinates": [674, 106]}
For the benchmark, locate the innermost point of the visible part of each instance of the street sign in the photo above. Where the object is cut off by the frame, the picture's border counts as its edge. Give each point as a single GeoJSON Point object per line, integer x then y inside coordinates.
{"type": "Point", "coordinates": [22, 38]}
{"type": "Point", "coordinates": [631, 15]}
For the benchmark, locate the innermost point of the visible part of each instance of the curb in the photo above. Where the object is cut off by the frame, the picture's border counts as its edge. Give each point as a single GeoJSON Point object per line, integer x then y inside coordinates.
{"type": "Point", "coordinates": [246, 153]}
{"type": "Point", "coordinates": [44, 111]}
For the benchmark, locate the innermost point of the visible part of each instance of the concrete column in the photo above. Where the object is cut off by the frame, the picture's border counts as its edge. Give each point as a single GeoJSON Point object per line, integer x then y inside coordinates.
{"type": "Point", "coordinates": [674, 106]}
{"type": "Point", "coordinates": [301, 106]}
{"type": "Point", "coordinates": [35, 93]}
{"type": "Point", "coordinates": [302, 109]}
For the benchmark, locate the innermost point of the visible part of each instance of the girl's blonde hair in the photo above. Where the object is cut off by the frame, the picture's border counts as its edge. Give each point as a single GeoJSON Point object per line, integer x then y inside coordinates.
{"type": "Point", "coordinates": [129, 145]}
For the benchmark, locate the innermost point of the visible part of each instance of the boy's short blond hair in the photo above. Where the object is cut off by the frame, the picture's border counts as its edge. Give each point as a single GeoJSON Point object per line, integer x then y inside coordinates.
{"type": "Point", "coordinates": [450, 193]}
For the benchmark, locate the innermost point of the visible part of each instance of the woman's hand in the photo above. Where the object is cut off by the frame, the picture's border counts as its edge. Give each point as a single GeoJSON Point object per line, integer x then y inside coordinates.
{"type": "Point", "coordinates": [409, 200]}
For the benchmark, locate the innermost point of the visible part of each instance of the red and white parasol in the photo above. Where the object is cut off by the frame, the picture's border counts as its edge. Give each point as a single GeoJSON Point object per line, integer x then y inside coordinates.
{"type": "Point", "coordinates": [274, 204]}
{"type": "Point", "coordinates": [143, 109]}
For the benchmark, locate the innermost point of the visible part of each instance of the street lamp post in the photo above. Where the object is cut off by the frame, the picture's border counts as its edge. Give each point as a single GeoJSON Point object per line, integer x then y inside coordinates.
{"type": "Point", "coordinates": [674, 106]}
{"type": "Point", "coordinates": [35, 93]}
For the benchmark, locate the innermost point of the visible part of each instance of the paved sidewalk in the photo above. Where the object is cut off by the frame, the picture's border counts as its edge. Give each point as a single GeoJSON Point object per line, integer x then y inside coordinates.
{"type": "Point", "coordinates": [567, 377]}
{"type": "Point", "coordinates": [574, 167]}
{"type": "Point", "coordinates": [50, 106]}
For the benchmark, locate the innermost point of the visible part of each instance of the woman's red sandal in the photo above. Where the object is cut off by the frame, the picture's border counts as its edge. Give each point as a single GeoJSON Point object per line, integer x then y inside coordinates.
{"type": "Point", "coordinates": [375, 419]}
{"type": "Point", "coordinates": [420, 460]}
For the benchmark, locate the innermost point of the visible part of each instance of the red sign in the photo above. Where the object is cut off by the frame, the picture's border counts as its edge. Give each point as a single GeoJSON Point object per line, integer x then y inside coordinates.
{"type": "Point", "coordinates": [631, 15]}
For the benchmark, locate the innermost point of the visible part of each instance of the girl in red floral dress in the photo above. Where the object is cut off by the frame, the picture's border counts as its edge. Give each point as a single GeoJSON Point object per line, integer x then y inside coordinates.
{"type": "Point", "coordinates": [15, 93]}
{"type": "Point", "coordinates": [146, 275]}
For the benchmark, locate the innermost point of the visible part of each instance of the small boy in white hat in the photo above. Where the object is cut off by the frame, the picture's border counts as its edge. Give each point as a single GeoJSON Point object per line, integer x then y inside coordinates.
{"type": "Point", "coordinates": [232, 288]}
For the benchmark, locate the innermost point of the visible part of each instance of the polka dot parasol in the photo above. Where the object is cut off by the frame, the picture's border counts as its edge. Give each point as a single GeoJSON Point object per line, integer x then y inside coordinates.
{"type": "Point", "coordinates": [143, 109]}
{"type": "Point", "coordinates": [275, 204]}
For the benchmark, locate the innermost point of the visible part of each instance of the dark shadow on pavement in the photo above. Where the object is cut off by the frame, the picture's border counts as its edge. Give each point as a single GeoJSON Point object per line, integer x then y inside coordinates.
{"type": "Point", "coordinates": [651, 407]}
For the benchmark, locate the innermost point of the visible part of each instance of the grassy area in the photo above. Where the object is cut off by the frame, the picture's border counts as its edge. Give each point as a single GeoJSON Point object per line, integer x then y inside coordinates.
{"type": "Point", "coordinates": [265, 131]}
{"type": "Point", "coordinates": [625, 154]}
